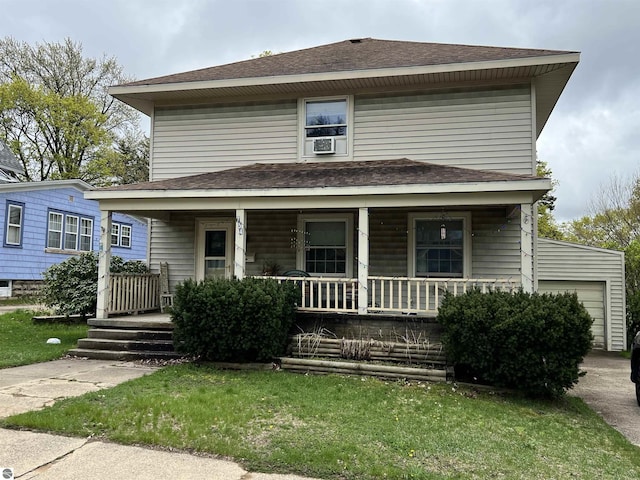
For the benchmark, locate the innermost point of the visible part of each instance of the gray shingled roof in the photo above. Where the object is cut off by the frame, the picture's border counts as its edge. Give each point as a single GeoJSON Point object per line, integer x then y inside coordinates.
{"type": "Point", "coordinates": [350, 55]}
{"type": "Point", "coordinates": [327, 174]}
{"type": "Point", "coordinates": [8, 161]}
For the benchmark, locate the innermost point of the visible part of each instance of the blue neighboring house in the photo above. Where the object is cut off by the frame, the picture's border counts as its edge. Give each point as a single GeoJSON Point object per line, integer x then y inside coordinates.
{"type": "Point", "coordinates": [44, 223]}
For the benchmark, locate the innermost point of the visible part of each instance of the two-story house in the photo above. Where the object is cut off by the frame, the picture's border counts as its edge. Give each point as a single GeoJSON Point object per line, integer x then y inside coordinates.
{"type": "Point", "coordinates": [379, 173]}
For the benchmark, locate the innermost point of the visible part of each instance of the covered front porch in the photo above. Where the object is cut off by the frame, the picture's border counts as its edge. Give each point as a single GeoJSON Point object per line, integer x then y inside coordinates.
{"type": "Point", "coordinates": [386, 237]}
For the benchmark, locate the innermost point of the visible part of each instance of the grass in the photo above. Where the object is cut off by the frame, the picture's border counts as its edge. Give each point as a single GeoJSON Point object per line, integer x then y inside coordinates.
{"type": "Point", "coordinates": [338, 427]}
{"type": "Point", "coordinates": [22, 342]}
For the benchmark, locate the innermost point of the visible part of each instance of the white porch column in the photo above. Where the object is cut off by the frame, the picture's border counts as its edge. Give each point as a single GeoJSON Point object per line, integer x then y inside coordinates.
{"type": "Point", "coordinates": [104, 260]}
{"type": "Point", "coordinates": [240, 244]}
{"type": "Point", "coordinates": [363, 260]}
{"type": "Point", "coordinates": [527, 237]}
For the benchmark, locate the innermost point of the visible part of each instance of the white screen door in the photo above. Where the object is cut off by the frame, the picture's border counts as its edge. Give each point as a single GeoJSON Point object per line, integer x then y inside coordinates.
{"type": "Point", "coordinates": [214, 252]}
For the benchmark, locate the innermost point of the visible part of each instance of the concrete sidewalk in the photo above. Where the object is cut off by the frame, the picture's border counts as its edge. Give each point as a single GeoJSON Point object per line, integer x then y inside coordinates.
{"type": "Point", "coordinates": [606, 388]}
{"type": "Point", "coordinates": [52, 457]}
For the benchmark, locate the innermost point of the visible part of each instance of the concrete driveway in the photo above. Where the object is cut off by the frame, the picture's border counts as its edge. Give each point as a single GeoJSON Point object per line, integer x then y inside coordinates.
{"type": "Point", "coordinates": [606, 388]}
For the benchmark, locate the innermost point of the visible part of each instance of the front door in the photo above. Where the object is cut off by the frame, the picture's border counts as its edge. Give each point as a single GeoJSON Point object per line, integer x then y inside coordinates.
{"type": "Point", "coordinates": [214, 250]}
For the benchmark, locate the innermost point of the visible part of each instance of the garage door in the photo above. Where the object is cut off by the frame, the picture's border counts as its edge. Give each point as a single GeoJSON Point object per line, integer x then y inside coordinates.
{"type": "Point", "coordinates": [591, 294]}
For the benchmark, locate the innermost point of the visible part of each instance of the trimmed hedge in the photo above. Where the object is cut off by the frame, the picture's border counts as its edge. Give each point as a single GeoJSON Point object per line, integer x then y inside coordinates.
{"type": "Point", "coordinates": [528, 342]}
{"type": "Point", "coordinates": [234, 320]}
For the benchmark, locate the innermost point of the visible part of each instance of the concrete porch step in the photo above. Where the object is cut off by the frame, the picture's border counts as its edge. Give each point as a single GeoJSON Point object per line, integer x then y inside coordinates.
{"type": "Point", "coordinates": [123, 355]}
{"type": "Point", "coordinates": [126, 345]}
{"type": "Point", "coordinates": [155, 322]}
{"type": "Point", "coordinates": [129, 334]}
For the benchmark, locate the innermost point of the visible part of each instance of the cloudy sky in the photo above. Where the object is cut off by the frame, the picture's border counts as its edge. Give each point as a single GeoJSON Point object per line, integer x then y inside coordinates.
{"type": "Point", "coordinates": [593, 133]}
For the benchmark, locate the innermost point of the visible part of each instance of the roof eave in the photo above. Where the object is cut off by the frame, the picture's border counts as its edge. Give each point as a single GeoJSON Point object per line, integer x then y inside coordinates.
{"type": "Point", "coordinates": [536, 186]}
{"type": "Point", "coordinates": [140, 96]}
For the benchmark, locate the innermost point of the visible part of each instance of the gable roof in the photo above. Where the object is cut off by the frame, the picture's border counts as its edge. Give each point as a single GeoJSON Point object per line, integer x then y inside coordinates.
{"type": "Point", "coordinates": [352, 55]}
{"type": "Point", "coordinates": [78, 184]}
{"type": "Point", "coordinates": [317, 176]}
{"type": "Point", "coordinates": [357, 65]}
{"type": "Point", "coordinates": [8, 163]}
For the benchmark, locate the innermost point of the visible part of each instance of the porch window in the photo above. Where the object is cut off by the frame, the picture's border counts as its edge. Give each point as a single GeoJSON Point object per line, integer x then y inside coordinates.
{"type": "Point", "coordinates": [439, 246]}
{"type": "Point", "coordinates": [13, 235]}
{"type": "Point", "coordinates": [327, 249]}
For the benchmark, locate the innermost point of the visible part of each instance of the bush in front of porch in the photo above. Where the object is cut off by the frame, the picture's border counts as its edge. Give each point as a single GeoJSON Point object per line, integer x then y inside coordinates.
{"type": "Point", "coordinates": [71, 287]}
{"type": "Point", "coordinates": [528, 342]}
{"type": "Point", "coordinates": [234, 320]}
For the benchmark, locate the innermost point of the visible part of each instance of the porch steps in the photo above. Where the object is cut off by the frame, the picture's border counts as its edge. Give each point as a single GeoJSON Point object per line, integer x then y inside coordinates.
{"type": "Point", "coordinates": [128, 338]}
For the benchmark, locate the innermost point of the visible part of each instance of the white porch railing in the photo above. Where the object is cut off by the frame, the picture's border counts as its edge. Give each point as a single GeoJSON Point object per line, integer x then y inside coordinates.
{"type": "Point", "coordinates": [389, 294]}
{"type": "Point", "coordinates": [424, 295]}
{"type": "Point", "coordinates": [326, 294]}
{"type": "Point", "coordinates": [133, 293]}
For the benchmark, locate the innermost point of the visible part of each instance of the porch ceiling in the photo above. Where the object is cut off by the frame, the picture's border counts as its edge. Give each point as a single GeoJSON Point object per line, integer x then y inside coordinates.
{"type": "Point", "coordinates": [399, 182]}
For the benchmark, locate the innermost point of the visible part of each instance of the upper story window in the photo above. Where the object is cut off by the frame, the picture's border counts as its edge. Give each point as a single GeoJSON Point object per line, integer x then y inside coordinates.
{"type": "Point", "coordinates": [327, 118]}
{"type": "Point", "coordinates": [68, 231]}
{"type": "Point", "coordinates": [326, 126]}
{"type": "Point", "coordinates": [439, 247]}
{"type": "Point", "coordinates": [120, 235]}
{"type": "Point", "coordinates": [13, 227]}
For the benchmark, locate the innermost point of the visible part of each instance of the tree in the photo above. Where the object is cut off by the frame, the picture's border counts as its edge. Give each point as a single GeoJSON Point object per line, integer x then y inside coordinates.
{"type": "Point", "coordinates": [127, 162]}
{"type": "Point", "coordinates": [547, 226]}
{"type": "Point", "coordinates": [55, 111]}
{"type": "Point", "coordinates": [614, 223]}
{"type": "Point", "coordinates": [614, 220]}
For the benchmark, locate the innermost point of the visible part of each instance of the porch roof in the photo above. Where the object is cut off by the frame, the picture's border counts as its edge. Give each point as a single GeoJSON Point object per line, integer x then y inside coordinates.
{"type": "Point", "coordinates": [323, 180]}
{"type": "Point", "coordinates": [322, 175]}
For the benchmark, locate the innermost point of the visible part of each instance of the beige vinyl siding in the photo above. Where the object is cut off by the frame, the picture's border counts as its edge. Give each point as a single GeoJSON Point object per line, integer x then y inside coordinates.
{"type": "Point", "coordinates": [270, 238]}
{"type": "Point", "coordinates": [174, 243]}
{"type": "Point", "coordinates": [484, 129]}
{"type": "Point", "coordinates": [570, 262]}
{"type": "Point", "coordinates": [200, 139]}
{"type": "Point", "coordinates": [593, 297]}
{"type": "Point", "coordinates": [496, 245]}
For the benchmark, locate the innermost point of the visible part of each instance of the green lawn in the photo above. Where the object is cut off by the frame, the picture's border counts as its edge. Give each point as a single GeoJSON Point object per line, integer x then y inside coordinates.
{"type": "Point", "coordinates": [22, 342]}
{"type": "Point", "coordinates": [338, 427]}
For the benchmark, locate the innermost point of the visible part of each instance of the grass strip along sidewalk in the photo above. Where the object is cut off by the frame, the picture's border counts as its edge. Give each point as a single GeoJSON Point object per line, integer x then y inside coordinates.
{"type": "Point", "coordinates": [338, 427]}
{"type": "Point", "coordinates": [22, 342]}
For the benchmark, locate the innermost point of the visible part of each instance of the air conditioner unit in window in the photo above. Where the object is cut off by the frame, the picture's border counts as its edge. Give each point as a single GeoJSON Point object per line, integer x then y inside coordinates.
{"type": "Point", "coordinates": [324, 145]}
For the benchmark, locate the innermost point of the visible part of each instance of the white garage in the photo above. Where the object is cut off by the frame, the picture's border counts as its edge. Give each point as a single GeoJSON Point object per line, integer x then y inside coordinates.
{"type": "Point", "coordinates": [597, 276]}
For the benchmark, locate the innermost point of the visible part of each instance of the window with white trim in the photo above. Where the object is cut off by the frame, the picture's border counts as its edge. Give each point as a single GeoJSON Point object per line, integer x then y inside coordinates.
{"type": "Point", "coordinates": [54, 230]}
{"type": "Point", "coordinates": [86, 234]}
{"type": "Point", "coordinates": [68, 231]}
{"type": "Point", "coordinates": [71, 232]}
{"type": "Point", "coordinates": [13, 234]}
{"type": "Point", "coordinates": [325, 125]}
{"type": "Point", "coordinates": [326, 242]}
{"type": "Point", "coordinates": [120, 235]}
{"type": "Point", "coordinates": [439, 246]}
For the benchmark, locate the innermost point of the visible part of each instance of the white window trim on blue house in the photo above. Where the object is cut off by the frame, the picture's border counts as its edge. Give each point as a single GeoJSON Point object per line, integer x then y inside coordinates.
{"type": "Point", "coordinates": [75, 233]}
{"type": "Point", "coordinates": [121, 234]}
{"type": "Point", "coordinates": [12, 227]}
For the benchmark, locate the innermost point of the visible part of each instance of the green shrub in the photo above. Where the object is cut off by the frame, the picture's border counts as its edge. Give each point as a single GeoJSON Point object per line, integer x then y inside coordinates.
{"type": "Point", "coordinates": [234, 320]}
{"type": "Point", "coordinates": [529, 342]}
{"type": "Point", "coordinates": [71, 287]}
